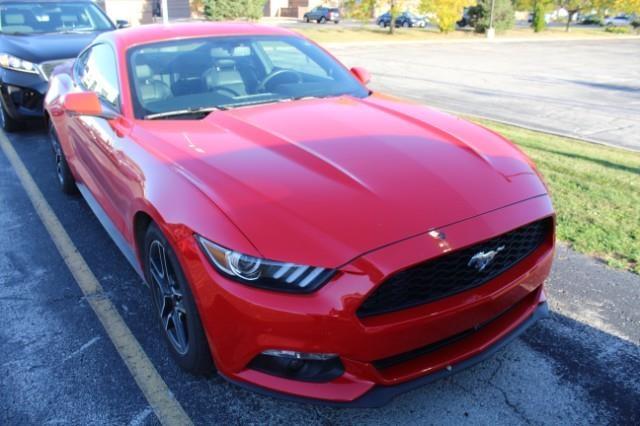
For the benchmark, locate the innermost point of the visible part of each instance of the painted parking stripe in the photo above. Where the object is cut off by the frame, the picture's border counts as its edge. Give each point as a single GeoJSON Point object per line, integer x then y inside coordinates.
{"type": "Point", "coordinates": [164, 404]}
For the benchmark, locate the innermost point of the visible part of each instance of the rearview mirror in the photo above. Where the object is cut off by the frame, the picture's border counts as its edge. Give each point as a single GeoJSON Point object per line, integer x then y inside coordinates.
{"type": "Point", "coordinates": [361, 74]}
{"type": "Point", "coordinates": [88, 103]}
{"type": "Point", "coordinates": [122, 23]}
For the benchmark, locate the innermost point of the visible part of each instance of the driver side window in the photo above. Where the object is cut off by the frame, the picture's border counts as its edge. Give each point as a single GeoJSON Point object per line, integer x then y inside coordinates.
{"type": "Point", "coordinates": [96, 70]}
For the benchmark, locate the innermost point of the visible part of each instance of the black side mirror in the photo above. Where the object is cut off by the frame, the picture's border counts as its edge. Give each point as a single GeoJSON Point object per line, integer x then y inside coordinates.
{"type": "Point", "coordinates": [122, 23]}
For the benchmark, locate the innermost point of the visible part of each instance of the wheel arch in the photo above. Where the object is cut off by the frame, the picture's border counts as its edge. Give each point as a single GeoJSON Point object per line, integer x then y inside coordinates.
{"type": "Point", "coordinates": [141, 222]}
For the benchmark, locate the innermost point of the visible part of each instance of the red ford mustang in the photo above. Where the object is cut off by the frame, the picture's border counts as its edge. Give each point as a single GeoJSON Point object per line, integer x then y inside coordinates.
{"type": "Point", "coordinates": [301, 234]}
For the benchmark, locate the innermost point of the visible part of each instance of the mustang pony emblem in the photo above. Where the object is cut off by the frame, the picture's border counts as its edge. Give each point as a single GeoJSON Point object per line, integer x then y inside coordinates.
{"type": "Point", "coordinates": [483, 259]}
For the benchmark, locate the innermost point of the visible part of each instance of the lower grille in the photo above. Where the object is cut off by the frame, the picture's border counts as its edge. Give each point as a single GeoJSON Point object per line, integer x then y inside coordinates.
{"type": "Point", "coordinates": [456, 272]}
{"type": "Point", "coordinates": [394, 360]}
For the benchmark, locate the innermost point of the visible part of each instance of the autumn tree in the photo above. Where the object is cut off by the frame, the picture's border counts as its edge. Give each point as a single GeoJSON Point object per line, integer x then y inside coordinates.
{"type": "Point", "coordinates": [573, 7]}
{"type": "Point", "coordinates": [628, 6]}
{"type": "Point", "coordinates": [447, 12]}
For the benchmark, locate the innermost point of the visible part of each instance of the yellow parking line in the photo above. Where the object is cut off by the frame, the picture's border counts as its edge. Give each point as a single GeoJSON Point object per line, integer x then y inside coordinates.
{"type": "Point", "coordinates": [166, 407]}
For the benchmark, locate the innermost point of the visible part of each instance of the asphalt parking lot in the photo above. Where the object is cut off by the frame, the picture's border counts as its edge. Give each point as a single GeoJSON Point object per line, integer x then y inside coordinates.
{"type": "Point", "coordinates": [58, 366]}
{"type": "Point", "coordinates": [587, 89]}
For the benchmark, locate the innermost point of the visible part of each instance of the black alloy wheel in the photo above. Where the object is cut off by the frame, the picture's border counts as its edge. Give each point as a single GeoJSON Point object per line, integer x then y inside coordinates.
{"type": "Point", "coordinates": [175, 306]}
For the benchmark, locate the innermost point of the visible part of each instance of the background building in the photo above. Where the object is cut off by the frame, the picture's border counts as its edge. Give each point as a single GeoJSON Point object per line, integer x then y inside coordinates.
{"type": "Point", "coordinates": [141, 11]}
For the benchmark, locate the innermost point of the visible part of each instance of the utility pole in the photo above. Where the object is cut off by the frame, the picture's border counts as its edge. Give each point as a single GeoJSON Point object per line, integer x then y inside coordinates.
{"type": "Point", "coordinates": [491, 32]}
{"type": "Point", "coordinates": [165, 12]}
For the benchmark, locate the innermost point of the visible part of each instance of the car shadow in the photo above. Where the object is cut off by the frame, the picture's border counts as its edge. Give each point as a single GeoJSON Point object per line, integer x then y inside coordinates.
{"type": "Point", "coordinates": [607, 86]}
{"type": "Point", "coordinates": [599, 161]}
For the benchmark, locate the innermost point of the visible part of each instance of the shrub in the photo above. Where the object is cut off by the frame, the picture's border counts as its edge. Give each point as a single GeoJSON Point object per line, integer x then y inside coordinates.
{"type": "Point", "coordinates": [539, 23]}
{"type": "Point", "coordinates": [217, 10]}
{"type": "Point", "coordinates": [503, 15]}
{"type": "Point", "coordinates": [617, 30]}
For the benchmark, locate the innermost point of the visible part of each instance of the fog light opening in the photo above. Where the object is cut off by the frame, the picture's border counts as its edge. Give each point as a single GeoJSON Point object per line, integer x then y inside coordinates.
{"type": "Point", "coordinates": [307, 367]}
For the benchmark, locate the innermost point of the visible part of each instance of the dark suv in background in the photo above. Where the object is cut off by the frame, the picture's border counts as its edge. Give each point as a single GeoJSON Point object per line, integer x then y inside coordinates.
{"type": "Point", "coordinates": [35, 37]}
{"type": "Point", "coordinates": [322, 15]}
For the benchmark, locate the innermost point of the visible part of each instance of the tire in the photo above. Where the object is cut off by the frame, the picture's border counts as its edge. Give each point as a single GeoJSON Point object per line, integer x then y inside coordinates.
{"type": "Point", "coordinates": [381, 24]}
{"type": "Point", "coordinates": [63, 172]}
{"type": "Point", "coordinates": [8, 123]}
{"type": "Point", "coordinates": [336, 22]}
{"type": "Point", "coordinates": [306, 19]}
{"type": "Point", "coordinates": [175, 306]}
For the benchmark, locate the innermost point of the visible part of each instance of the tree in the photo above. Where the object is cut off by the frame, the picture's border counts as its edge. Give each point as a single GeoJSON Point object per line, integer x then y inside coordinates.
{"type": "Point", "coordinates": [364, 9]}
{"type": "Point", "coordinates": [573, 7]}
{"type": "Point", "coordinates": [628, 6]}
{"type": "Point", "coordinates": [503, 15]}
{"type": "Point", "coordinates": [447, 12]}
{"type": "Point", "coordinates": [217, 10]}
{"type": "Point", "coordinates": [538, 22]}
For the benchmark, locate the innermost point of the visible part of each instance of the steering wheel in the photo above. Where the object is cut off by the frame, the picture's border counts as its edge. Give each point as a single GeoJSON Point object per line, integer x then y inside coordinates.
{"type": "Point", "coordinates": [263, 84]}
{"type": "Point", "coordinates": [224, 89]}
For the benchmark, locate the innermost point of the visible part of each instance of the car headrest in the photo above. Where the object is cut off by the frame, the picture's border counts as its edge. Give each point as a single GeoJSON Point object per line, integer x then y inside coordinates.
{"type": "Point", "coordinates": [143, 72]}
{"type": "Point", "coordinates": [14, 19]}
{"type": "Point", "coordinates": [219, 52]}
{"type": "Point", "coordinates": [225, 64]}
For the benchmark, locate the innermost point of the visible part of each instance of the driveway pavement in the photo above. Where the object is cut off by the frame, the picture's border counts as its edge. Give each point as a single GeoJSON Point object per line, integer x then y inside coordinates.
{"type": "Point", "coordinates": [585, 89]}
{"type": "Point", "coordinates": [58, 366]}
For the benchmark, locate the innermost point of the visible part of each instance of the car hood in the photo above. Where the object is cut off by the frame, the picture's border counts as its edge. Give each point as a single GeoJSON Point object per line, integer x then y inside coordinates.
{"type": "Point", "coordinates": [323, 181]}
{"type": "Point", "coordinates": [39, 48]}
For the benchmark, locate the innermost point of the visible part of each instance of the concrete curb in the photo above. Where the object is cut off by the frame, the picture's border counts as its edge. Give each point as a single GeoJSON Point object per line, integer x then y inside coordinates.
{"type": "Point", "coordinates": [539, 130]}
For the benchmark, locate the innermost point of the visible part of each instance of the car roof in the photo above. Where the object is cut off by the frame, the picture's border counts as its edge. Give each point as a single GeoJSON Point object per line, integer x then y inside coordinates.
{"type": "Point", "coordinates": [145, 34]}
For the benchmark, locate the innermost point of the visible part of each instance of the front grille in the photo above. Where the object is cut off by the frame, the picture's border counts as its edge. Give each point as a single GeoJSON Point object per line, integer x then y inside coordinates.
{"type": "Point", "coordinates": [47, 67]}
{"type": "Point", "coordinates": [454, 272]}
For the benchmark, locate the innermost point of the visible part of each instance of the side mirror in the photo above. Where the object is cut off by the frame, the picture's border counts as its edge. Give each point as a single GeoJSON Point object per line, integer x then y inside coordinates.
{"type": "Point", "coordinates": [122, 23]}
{"type": "Point", "coordinates": [361, 74]}
{"type": "Point", "coordinates": [88, 103]}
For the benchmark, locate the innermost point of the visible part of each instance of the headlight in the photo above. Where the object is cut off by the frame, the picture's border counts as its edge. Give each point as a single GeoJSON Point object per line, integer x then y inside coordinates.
{"type": "Point", "coordinates": [263, 273]}
{"type": "Point", "coordinates": [17, 64]}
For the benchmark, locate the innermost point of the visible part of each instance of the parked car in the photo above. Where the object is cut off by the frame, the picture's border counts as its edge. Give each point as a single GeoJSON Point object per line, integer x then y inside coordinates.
{"type": "Point", "coordinates": [410, 20]}
{"type": "Point", "coordinates": [618, 21]}
{"type": "Point", "coordinates": [322, 15]}
{"type": "Point", "coordinates": [384, 20]}
{"type": "Point", "coordinates": [303, 234]}
{"type": "Point", "coordinates": [35, 37]}
{"type": "Point", "coordinates": [405, 19]}
{"type": "Point", "coordinates": [591, 19]}
{"type": "Point", "coordinates": [468, 19]}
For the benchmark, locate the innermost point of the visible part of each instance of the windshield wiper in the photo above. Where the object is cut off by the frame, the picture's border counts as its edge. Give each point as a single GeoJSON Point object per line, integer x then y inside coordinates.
{"type": "Point", "coordinates": [77, 31]}
{"type": "Point", "coordinates": [16, 33]}
{"type": "Point", "coordinates": [260, 102]}
{"type": "Point", "coordinates": [182, 112]}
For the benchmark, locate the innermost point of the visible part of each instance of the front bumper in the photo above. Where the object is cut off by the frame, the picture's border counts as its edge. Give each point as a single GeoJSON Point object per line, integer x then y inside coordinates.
{"type": "Point", "coordinates": [241, 322]}
{"type": "Point", "coordinates": [22, 94]}
{"type": "Point", "coordinates": [382, 395]}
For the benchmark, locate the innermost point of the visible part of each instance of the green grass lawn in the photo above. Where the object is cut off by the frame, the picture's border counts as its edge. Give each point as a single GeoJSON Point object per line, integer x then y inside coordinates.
{"type": "Point", "coordinates": [595, 190]}
{"type": "Point", "coordinates": [330, 33]}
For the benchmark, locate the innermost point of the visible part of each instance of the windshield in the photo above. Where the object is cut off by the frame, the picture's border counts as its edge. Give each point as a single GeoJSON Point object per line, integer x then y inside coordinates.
{"type": "Point", "coordinates": [24, 18]}
{"type": "Point", "coordinates": [232, 72]}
